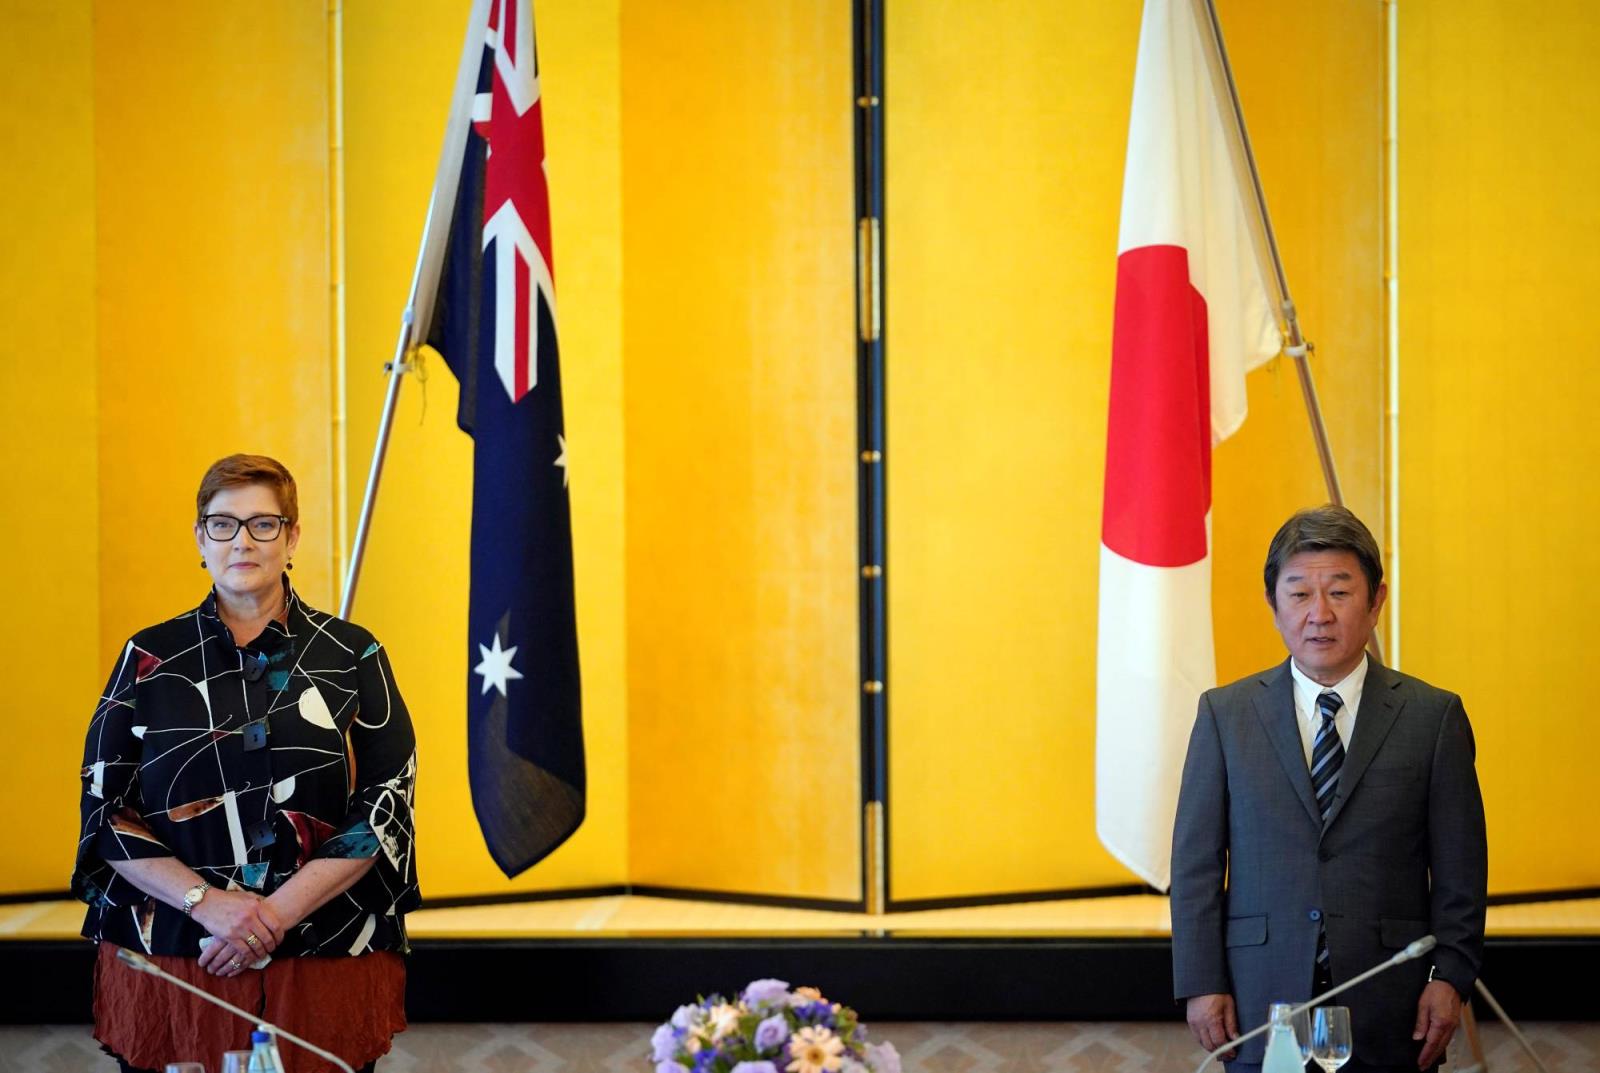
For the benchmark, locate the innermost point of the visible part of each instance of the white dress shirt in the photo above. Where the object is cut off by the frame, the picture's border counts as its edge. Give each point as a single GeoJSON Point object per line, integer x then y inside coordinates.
{"type": "Point", "coordinates": [1306, 692]}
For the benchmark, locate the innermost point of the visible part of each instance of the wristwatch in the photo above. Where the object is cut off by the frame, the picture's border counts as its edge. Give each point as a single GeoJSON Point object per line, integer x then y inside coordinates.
{"type": "Point", "coordinates": [192, 896]}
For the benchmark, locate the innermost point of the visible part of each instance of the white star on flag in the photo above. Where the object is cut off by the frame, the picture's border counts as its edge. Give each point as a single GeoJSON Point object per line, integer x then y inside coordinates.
{"type": "Point", "coordinates": [561, 459]}
{"type": "Point", "coordinates": [496, 666]}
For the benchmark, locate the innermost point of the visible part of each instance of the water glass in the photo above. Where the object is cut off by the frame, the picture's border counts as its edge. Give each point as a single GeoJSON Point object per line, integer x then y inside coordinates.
{"type": "Point", "coordinates": [1300, 1022]}
{"type": "Point", "coordinates": [235, 1061]}
{"type": "Point", "coordinates": [1330, 1037]}
{"type": "Point", "coordinates": [185, 1067]}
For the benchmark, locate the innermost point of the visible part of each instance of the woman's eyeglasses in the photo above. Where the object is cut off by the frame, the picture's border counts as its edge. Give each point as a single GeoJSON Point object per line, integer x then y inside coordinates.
{"type": "Point", "coordinates": [259, 526]}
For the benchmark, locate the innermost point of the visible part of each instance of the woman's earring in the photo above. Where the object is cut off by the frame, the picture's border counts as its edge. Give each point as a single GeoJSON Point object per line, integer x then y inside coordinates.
{"type": "Point", "coordinates": [289, 565]}
{"type": "Point", "coordinates": [202, 564]}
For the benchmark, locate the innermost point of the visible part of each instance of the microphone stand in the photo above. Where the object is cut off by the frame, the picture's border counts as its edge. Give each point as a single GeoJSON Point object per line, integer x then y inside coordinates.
{"type": "Point", "coordinates": [1505, 1020]}
{"type": "Point", "coordinates": [1410, 953]}
{"type": "Point", "coordinates": [140, 963]}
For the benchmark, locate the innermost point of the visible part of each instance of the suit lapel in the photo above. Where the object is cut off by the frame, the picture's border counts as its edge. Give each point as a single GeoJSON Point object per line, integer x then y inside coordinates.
{"type": "Point", "coordinates": [1380, 706]}
{"type": "Point", "coordinates": [1274, 704]}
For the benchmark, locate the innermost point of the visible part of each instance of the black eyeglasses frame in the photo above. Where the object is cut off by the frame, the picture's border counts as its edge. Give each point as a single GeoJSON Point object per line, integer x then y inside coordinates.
{"type": "Point", "coordinates": [242, 523]}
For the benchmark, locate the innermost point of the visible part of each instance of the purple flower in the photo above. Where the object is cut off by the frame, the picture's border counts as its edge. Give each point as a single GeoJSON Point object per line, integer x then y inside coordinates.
{"type": "Point", "coordinates": [754, 1067]}
{"type": "Point", "coordinates": [682, 1016]}
{"type": "Point", "coordinates": [883, 1058]}
{"type": "Point", "coordinates": [668, 1067]}
{"type": "Point", "coordinates": [703, 1060]}
{"type": "Point", "coordinates": [816, 1013]}
{"type": "Point", "coordinates": [771, 1033]}
{"type": "Point", "coordinates": [664, 1044]}
{"type": "Point", "coordinates": [761, 991]}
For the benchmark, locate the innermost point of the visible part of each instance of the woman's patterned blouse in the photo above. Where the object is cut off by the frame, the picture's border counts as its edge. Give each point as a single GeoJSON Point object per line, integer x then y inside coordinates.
{"type": "Point", "coordinates": [245, 762]}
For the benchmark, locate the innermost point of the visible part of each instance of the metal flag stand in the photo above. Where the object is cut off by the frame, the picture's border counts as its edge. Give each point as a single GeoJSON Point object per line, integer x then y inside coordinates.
{"type": "Point", "coordinates": [424, 278]}
{"type": "Point", "coordinates": [1295, 343]}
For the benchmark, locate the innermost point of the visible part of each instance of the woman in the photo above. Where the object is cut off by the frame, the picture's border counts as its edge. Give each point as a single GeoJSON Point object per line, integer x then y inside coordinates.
{"type": "Point", "coordinates": [247, 820]}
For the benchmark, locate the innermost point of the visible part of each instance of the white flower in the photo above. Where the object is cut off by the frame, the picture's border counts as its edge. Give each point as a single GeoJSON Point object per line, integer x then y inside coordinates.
{"type": "Point", "coordinates": [724, 1020]}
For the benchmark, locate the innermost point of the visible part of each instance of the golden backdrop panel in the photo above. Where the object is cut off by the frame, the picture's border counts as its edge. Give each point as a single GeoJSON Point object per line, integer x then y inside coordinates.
{"type": "Point", "coordinates": [740, 412]}
{"type": "Point", "coordinates": [1500, 105]}
{"type": "Point", "coordinates": [414, 585]}
{"type": "Point", "coordinates": [213, 312]}
{"type": "Point", "coordinates": [1319, 144]}
{"type": "Point", "coordinates": [49, 483]}
{"type": "Point", "coordinates": [1001, 269]}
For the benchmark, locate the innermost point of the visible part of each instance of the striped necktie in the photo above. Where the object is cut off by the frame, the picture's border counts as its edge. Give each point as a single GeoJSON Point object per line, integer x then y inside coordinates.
{"type": "Point", "coordinates": [1327, 757]}
{"type": "Point", "coordinates": [1327, 753]}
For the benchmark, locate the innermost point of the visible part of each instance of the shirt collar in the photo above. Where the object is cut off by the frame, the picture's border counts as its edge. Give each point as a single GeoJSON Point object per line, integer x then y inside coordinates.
{"type": "Point", "coordinates": [1349, 688]}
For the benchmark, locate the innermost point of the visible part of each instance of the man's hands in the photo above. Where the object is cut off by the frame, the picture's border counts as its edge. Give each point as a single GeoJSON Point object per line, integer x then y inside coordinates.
{"type": "Point", "coordinates": [1438, 1014]}
{"type": "Point", "coordinates": [1214, 1021]}
{"type": "Point", "coordinates": [244, 929]}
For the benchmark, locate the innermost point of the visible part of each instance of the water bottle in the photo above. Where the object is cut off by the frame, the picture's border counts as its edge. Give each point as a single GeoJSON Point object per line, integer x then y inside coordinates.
{"type": "Point", "coordinates": [263, 1053]}
{"type": "Point", "coordinates": [1283, 1050]}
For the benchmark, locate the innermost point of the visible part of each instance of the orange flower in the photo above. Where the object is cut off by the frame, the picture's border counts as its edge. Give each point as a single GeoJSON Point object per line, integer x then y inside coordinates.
{"type": "Point", "coordinates": [815, 1050]}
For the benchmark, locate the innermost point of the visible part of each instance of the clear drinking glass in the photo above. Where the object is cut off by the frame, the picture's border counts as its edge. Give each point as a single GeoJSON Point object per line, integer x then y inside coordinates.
{"type": "Point", "coordinates": [1300, 1022]}
{"type": "Point", "coordinates": [1330, 1037]}
{"type": "Point", "coordinates": [235, 1061]}
{"type": "Point", "coordinates": [185, 1067]}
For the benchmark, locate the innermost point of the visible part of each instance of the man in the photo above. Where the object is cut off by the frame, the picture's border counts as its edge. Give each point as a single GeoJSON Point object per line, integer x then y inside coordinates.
{"type": "Point", "coordinates": [1329, 815]}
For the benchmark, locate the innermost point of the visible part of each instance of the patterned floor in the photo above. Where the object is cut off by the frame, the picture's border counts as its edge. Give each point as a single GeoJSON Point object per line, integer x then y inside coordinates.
{"type": "Point", "coordinates": [925, 1048]}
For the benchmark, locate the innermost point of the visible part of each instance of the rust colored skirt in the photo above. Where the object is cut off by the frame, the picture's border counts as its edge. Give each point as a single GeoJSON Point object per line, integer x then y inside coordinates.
{"type": "Point", "coordinates": [351, 1006]}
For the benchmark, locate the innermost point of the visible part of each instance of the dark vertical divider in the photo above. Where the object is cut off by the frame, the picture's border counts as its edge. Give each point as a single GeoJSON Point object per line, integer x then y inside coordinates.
{"type": "Point", "coordinates": [869, 182]}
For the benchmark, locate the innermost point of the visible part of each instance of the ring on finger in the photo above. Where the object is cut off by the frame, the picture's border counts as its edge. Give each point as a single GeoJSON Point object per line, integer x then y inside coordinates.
{"type": "Point", "coordinates": [250, 938]}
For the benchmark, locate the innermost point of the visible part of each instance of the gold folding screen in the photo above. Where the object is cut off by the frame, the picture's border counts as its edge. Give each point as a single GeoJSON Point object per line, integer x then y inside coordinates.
{"type": "Point", "coordinates": [709, 412]}
{"type": "Point", "coordinates": [1007, 124]}
{"type": "Point", "coordinates": [50, 484]}
{"type": "Point", "coordinates": [739, 406]}
{"type": "Point", "coordinates": [171, 290]}
{"type": "Point", "coordinates": [413, 592]}
{"type": "Point", "coordinates": [1500, 109]}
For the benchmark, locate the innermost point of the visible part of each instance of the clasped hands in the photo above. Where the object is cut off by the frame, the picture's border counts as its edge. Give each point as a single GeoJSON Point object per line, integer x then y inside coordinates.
{"type": "Point", "coordinates": [244, 928]}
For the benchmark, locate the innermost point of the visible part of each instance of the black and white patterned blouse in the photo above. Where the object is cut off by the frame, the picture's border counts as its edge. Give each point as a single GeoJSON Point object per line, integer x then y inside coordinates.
{"type": "Point", "coordinates": [245, 763]}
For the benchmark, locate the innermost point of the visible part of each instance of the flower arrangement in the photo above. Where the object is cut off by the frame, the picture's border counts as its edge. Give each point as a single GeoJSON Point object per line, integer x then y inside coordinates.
{"type": "Point", "coordinates": [769, 1029]}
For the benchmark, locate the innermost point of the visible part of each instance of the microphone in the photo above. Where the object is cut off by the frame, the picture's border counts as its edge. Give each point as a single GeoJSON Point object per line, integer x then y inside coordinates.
{"type": "Point", "coordinates": [140, 963]}
{"type": "Point", "coordinates": [1410, 953]}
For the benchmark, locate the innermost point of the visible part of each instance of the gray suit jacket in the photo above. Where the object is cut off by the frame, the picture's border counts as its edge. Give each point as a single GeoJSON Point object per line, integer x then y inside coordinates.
{"type": "Point", "coordinates": [1254, 869]}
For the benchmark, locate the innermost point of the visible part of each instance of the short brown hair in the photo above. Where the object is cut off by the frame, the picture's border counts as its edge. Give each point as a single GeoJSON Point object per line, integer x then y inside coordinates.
{"type": "Point", "coordinates": [1324, 528]}
{"type": "Point", "coordinates": [238, 470]}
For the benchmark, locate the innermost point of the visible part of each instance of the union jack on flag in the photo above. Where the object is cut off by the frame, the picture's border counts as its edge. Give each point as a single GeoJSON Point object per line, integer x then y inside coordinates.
{"type": "Point", "coordinates": [495, 310]}
{"type": "Point", "coordinates": [516, 199]}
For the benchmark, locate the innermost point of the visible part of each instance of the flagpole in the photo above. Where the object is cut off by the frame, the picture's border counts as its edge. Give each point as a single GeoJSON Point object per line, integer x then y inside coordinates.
{"type": "Point", "coordinates": [1296, 345]}
{"type": "Point", "coordinates": [424, 277]}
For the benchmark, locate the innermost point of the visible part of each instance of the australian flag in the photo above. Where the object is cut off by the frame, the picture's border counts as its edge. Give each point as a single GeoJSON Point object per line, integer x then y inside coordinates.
{"type": "Point", "coordinates": [494, 322]}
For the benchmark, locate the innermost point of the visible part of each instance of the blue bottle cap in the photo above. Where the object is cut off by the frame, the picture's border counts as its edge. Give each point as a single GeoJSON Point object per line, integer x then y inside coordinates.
{"type": "Point", "coordinates": [260, 1036]}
